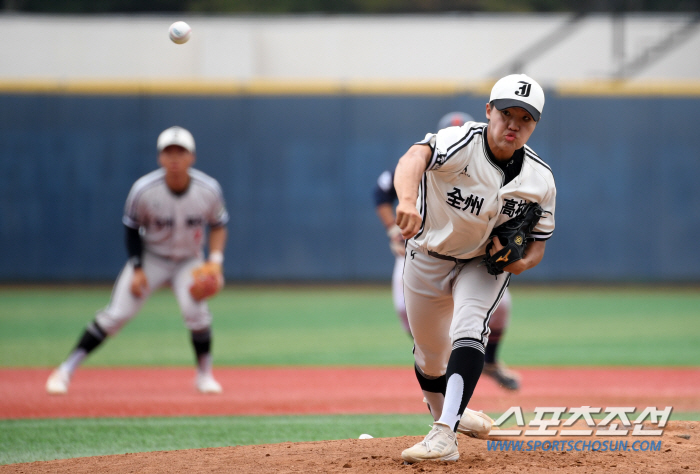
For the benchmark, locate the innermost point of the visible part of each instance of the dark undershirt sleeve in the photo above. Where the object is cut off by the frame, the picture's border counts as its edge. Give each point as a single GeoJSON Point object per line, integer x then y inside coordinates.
{"type": "Point", "coordinates": [384, 197]}
{"type": "Point", "coordinates": [134, 245]}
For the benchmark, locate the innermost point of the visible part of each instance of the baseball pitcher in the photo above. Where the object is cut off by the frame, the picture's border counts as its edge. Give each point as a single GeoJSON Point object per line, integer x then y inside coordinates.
{"type": "Point", "coordinates": [456, 188]}
{"type": "Point", "coordinates": [384, 201]}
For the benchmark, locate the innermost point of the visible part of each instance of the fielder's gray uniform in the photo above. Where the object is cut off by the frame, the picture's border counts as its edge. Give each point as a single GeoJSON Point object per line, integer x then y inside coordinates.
{"type": "Point", "coordinates": [172, 228]}
{"type": "Point", "coordinates": [461, 198]}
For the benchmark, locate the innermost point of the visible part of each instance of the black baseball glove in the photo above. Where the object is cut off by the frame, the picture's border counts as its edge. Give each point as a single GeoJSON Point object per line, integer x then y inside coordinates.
{"type": "Point", "coordinates": [514, 236]}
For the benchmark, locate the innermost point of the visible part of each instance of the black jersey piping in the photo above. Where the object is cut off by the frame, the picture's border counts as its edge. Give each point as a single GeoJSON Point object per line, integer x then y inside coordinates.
{"type": "Point", "coordinates": [529, 153]}
{"type": "Point", "coordinates": [484, 148]}
{"type": "Point", "coordinates": [469, 342]}
{"type": "Point", "coordinates": [423, 205]}
{"type": "Point", "coordinates": [474, 131]}
{"type": "Point", "coordinates": [527, 148]}
{"type": "Point", "coordinates": [433, 150]}
{"type": "Point", "coordinates": [535, 158]}
{"type": "Point", "coordinates": [491, 310]}
{"type": "Point", "coordinates": [541, 235]}
{"type": "Point", "coordinates": [433, 156]}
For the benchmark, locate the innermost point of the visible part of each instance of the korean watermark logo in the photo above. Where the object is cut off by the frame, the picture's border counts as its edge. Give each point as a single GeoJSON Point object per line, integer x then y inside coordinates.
{"type": "Point", "coordinates": [550, 426]}
{"type": "Point", "coordinates": [548, 422]}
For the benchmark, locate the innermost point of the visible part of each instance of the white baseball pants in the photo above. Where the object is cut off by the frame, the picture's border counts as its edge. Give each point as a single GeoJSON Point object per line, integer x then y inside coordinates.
{"type": "Point", "coordinates": [446, 301]}
{"type": "Point", "coordinates": [123, 305]}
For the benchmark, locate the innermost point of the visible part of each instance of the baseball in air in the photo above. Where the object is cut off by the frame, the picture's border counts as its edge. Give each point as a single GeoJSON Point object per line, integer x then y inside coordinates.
{"type": "Point", "coordinates": [180, 32]}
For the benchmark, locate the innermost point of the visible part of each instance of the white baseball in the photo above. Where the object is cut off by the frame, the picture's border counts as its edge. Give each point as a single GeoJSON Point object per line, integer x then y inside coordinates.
{"type": "Point", "coordinates": [180, 32]}
{"type": "Point", "coordinates": [365, 436]}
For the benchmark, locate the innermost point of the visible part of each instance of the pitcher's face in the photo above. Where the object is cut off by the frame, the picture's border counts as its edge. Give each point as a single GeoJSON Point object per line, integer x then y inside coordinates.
{"type": "Point", "coordinates": [509, 129]}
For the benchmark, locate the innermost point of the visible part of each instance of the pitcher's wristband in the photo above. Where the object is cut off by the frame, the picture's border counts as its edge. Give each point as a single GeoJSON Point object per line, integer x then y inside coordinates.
{"type": "Point", "coordinates": [216, 257]}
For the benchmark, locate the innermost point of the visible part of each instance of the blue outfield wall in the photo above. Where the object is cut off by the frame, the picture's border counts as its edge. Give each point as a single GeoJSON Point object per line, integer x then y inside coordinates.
{"type": "Point", "coordinates": [298, 174]}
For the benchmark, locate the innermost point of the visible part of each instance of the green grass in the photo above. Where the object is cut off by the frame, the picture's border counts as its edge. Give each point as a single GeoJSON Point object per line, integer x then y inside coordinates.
{"type": "Point", "coordinates": [252, 326]}
{"type": "Point", "coordinates": [603, 327]}
{"type": "Point", "coordinates": [354, 325]}
{"type": "Point", "coordinates": [41, 440]}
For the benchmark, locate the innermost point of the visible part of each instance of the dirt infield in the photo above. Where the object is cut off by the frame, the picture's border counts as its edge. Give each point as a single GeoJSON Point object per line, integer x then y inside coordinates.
{"type": "Point", "coordinates": [677, 453]}
{"type": "Point", "coordinates": [169, 392]}
{"type": "Point", "coordinates": [251, 391]}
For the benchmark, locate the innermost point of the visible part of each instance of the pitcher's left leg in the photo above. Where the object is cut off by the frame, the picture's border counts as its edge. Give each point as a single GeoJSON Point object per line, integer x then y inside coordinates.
{"type": "Point", "coordinates": [476, 296]}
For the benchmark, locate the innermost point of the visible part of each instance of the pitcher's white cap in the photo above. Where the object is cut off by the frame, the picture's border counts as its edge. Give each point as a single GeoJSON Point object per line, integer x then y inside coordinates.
{"type": "Point", "coordinates": [518, 90]}
{"type": "Point", "coordinates": [176, 136]}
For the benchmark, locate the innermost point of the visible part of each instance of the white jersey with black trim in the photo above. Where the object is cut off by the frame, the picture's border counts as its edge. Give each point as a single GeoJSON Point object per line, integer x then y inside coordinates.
{"type": "Point", "coordinates": [173, 225]}
{"type": "Point", "coordinates": [466, 197]}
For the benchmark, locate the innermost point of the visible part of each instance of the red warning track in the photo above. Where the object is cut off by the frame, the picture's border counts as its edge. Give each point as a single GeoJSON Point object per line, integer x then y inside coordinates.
{"type": "Point", "coordinates": [117, 392]}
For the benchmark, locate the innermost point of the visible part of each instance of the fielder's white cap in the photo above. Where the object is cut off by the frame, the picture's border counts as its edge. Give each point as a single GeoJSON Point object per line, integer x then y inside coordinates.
{"type": "Point", "coordinates": [454, 119]}
{"type": "Point", "coordinates": [518, 90]}
{"type": "Point", "coordinates": [176, 136]}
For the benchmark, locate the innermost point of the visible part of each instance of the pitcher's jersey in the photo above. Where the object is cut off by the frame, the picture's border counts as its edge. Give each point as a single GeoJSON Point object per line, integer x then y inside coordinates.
{"type": "Point", "coordinates": [172, 225]}
{"type": "Point", "coordinates": [462, 196]}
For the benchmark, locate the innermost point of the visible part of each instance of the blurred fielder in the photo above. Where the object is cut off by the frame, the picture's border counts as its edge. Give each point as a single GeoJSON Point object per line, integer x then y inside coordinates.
{"type": "Point", "coordinates": [384, 200]}
{"type": "Point", "coordinates": [166, 215]}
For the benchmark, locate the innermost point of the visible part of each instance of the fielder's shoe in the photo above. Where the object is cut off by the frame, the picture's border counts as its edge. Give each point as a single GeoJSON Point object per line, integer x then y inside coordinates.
{"type": "Point", "coordinates": [506, 378]}
{"type": "Point", "coordinates": [475, 424]}
{"type": "Point", "coordinates": [439, 445]}
{"type": "Point", "coordinates": [205, 383]}
{"type": "Point", "coordinates": [58, 382]}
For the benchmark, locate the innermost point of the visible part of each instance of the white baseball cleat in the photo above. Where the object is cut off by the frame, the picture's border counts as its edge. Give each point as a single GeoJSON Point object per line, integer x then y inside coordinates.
{"type": "Point", "coordinates": [475, 424]}
{"type": "Point", "coordinates": [205, 383]}
{"type": "Point", "coordinates": [58, 382]}
{"type": "Point", "coordinates": [439, 445]}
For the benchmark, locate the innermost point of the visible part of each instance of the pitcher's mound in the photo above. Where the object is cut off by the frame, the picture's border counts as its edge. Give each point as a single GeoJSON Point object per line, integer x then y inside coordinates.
{"type": "Point", "coordinates": [677, 453]}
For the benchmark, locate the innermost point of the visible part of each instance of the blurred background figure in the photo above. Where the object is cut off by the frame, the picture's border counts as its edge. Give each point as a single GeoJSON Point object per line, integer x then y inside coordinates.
{"type": "Point", "coordinates": [385, 200]}
{"type": "Point", "coordinates": [166, 216]}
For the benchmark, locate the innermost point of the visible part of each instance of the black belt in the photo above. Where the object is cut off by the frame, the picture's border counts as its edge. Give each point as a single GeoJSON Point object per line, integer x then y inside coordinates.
{"type": "Point", "coordinates": [451, 259]}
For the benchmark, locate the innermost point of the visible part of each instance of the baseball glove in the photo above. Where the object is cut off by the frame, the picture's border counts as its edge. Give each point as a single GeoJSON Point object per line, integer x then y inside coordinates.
{"type": "Point", "coordinates": [207, 280]}
{"type": "Point", "coordinates": [514, 236]}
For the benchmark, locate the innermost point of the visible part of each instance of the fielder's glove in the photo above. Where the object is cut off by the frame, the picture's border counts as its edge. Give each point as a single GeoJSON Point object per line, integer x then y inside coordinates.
{"type": "Point", "coordinates": [396, 242]}
{"type": "Point", "coordinates": [514, 235]}
{"type": "Point", "coordinates": [207, 280]}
